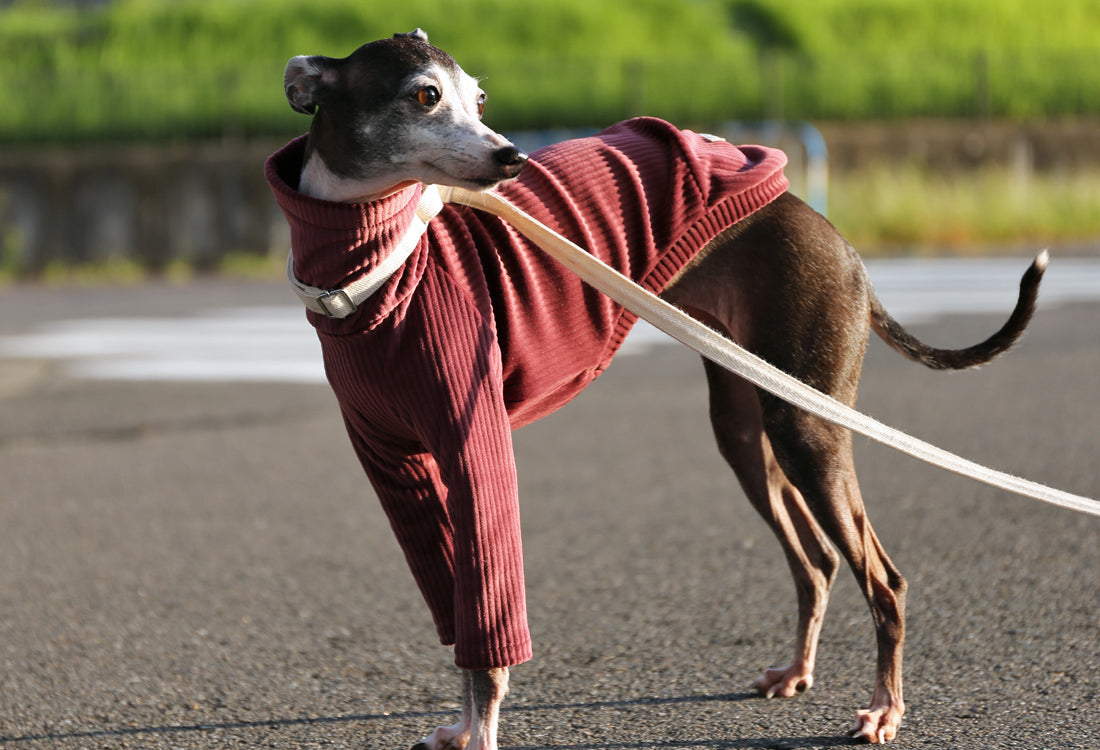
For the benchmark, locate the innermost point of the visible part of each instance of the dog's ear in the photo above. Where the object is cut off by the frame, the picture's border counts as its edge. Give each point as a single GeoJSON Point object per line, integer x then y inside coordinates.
{"type": "Point", "coordinates": [418, 34]}
{"type": "Point", "coordinates": [305, 76]}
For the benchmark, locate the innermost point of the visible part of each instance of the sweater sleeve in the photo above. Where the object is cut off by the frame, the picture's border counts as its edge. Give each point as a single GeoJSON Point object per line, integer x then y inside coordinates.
{"type": "Point", "coordinates": [414, 499]}
{"type": "Point", "coordinates": [462, 420]}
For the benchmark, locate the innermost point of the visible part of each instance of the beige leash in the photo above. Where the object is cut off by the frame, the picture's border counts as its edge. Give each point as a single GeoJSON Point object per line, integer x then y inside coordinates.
{"type": "Point", "coordinates": [726, 353]}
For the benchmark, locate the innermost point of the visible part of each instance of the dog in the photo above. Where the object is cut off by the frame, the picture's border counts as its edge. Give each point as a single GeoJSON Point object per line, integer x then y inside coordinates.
{"type": "Point", "coordinates": [471, 333]}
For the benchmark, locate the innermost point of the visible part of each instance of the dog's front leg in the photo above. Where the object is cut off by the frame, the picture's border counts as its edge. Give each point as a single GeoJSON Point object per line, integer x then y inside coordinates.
{"type": "Point", "coordinates": [487, 690]}
{"type": "Point", "coordinates": [456, 736]}
{"type": "Point", "coordinates": [482, 693]}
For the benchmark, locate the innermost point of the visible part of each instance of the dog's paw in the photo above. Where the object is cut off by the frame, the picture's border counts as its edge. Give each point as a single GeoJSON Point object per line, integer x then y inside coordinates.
{"type": "Point", "coordinates": [877, 724]}
{"type": "Point", "coordinates": [445, 738]}
{"type": "Point", "coordinates": [784, 682]}
{"type": "Point", "coordinates": [426, 744]}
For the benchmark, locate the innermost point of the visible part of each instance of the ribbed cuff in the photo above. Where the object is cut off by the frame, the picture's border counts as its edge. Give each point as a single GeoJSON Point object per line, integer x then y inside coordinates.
{"type": "Point", "coordinates": [505, 655]}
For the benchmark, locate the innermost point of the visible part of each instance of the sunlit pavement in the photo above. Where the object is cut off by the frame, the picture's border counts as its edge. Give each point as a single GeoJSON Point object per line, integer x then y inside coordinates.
{"type": "Point", "coordinates": [200, 564]}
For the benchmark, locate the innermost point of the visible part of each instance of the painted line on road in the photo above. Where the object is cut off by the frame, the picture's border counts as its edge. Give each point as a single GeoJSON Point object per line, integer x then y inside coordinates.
{"type": "Point", "coordinates": [276, 344]}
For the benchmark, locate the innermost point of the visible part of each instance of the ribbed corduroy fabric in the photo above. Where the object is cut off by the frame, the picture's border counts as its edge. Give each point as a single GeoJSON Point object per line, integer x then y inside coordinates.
{"type": "Point", "coordinates": [479, 333]}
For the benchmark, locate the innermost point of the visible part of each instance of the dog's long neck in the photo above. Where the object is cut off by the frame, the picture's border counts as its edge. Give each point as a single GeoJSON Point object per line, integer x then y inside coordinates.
{"type": "Point", "coordinates": [355, 181]}
{"type": "Point", "coordinates": [318, 181]}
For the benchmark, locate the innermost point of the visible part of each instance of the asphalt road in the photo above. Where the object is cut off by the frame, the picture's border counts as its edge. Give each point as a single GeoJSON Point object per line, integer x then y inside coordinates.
{"type": "Point", "coordinates": [202, 566]}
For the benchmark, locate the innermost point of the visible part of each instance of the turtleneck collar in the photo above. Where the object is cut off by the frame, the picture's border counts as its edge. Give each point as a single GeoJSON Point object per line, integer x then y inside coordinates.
{"type": "Point", "coordinates": [335, 243]}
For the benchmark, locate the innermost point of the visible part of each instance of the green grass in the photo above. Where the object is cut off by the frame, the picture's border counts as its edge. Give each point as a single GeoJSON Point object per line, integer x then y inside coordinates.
{"type": "Point", "coordinates": [169, 69]}
{"type": "Point", "coordinates": [885, 210]}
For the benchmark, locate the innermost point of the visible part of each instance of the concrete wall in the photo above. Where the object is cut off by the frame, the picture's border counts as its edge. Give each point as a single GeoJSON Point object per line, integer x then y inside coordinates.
{"type": "Point", "coordinates": [196, 203]}
{"type": "Point", "coordinates": [952, 145]}
{"type": "Point", "coordinates": [154, 205]}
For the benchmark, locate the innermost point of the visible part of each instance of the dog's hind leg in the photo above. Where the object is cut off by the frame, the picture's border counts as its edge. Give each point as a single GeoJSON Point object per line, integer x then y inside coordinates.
{"type": "Point", "coordinates": [818, 459]}
{"type": "Point", "coordinates": [789, 288]}
{"type": "Point", "coordinates": [738, 428]}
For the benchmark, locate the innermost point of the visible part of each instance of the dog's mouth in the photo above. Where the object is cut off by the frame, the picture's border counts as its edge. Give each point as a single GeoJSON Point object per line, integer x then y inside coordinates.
{"type": "Point", "coordinates": [486, 184]}
{"type": "Point", "coordinates": [506, 164]}
{"type": "Point", "coordinates": [471, 182]}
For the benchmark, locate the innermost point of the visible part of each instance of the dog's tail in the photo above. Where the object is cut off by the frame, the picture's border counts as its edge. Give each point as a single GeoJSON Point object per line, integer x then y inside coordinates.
{"type": "Point", "coordinates": [959, 359]}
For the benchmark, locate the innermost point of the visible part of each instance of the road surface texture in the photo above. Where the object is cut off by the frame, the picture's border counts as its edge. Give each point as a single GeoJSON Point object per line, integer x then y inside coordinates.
{"type": "Point", "coordinates": [201, 565]}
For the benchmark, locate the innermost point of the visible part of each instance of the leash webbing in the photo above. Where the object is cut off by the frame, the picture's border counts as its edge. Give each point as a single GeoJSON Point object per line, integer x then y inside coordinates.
{"type": "Point", "coordinates": [726, 353]}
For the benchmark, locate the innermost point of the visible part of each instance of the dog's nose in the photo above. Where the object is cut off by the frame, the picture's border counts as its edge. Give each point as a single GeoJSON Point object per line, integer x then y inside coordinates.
{"type": "Point", "coordinates": [511, 160]}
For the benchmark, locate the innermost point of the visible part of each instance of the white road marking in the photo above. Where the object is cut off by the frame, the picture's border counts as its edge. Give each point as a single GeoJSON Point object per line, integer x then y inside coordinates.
{"type": "Point", "coordinates": [252, 344]}
{"type": "Point", "coordinates": [276, 344]}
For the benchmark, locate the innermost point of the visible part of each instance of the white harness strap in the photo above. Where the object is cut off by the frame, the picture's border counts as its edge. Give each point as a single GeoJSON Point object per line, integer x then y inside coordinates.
{"type": "Point", "coordinates": [341, 302]}
{"type": "Point", "coordinates": [726, 353]}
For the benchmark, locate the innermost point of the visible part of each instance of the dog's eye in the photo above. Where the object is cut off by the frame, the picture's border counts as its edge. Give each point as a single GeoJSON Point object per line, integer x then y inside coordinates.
{"type": "Point", "coordinates": [480, 105]}
{"type": "Point", "coordinates": [428, 96]}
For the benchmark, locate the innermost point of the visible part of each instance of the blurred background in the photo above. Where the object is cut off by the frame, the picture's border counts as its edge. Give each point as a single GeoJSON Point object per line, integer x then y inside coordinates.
{"type": "Point", "coordinates": [133, 132]}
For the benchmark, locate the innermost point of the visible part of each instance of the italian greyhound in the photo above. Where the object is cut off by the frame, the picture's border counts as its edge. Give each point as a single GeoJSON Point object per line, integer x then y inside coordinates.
{"type": "Point", "coordinates": [781, 282]}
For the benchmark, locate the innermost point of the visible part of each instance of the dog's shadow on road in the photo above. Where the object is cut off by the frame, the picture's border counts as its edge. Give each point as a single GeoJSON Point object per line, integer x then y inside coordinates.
{"type": "Point", "coordinates": [729, 743]}
{"type": "Point", "coordinates": [732, 743]}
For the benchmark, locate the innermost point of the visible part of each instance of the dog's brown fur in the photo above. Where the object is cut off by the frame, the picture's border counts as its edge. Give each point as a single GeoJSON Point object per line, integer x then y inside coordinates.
{"type": "Point", "coordinates": [786, 286]}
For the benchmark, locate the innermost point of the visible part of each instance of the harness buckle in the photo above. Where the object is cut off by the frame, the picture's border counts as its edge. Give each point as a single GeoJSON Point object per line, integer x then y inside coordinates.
{"type": "Point", "coordinates": [336, 304]}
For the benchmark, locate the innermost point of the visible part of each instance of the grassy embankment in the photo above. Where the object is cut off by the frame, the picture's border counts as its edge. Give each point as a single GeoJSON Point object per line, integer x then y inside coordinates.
{"type": "Point", "coordinates": [992, 209]}
{"type": "Point", "coordinates": [156, 70]}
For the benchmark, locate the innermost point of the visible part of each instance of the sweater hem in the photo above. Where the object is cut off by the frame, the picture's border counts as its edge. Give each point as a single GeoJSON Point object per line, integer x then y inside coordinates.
{"type": "Point", "coordinates": [507, 655]}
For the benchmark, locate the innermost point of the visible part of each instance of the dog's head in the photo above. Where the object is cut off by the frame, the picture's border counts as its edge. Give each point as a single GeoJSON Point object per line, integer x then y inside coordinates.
{"type": "Point", "coordinates": [394, 112]}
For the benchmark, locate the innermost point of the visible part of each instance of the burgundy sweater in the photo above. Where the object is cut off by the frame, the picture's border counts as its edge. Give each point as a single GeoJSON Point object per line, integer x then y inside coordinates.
{"type": "Point", "coordinates": [479, 333]}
